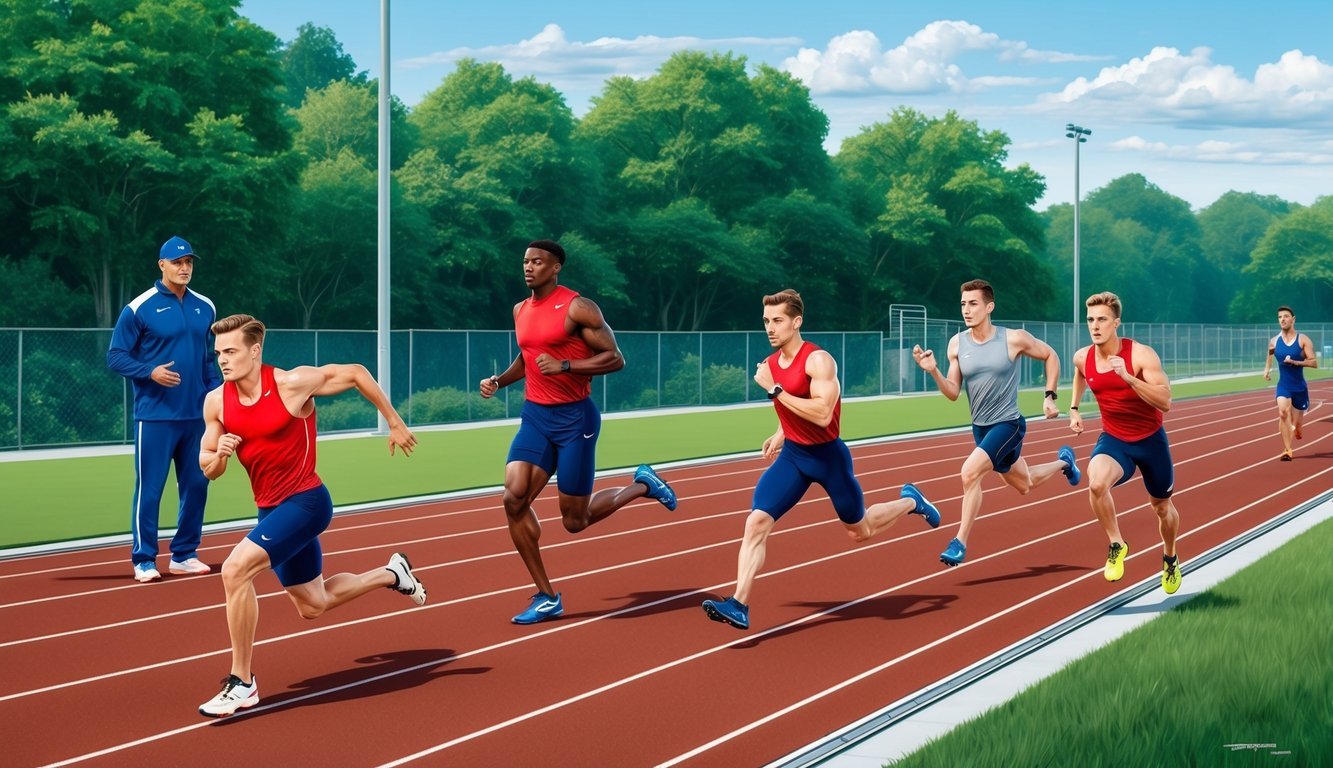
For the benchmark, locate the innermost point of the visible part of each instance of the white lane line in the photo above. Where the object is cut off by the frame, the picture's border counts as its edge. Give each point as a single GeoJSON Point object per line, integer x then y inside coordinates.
{"type": "Point", "coordinates": [638, 676]}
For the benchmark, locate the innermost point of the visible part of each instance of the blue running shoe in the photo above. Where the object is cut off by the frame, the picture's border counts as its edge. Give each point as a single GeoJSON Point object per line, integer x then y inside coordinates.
{"type": "Point", "coordinates": [542, 607]}
{"type": "Point", "coordinates": [1066, 455]}
{"type": "Point", "coordinates": [923, 507]}
{"type": "Point", "coordinates": [955, 554]}
{"type": "Point", "coordinates": [657, 487]}
{"type": "Point", "coordinates": [728, 612]}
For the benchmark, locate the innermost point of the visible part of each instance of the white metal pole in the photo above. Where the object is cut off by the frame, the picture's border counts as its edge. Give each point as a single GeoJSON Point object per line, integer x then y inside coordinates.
{"type": "Point", "coordinates": [382, 337]}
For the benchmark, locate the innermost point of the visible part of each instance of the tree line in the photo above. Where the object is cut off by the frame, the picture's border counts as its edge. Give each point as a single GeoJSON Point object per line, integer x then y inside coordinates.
{"type": "Point", "coordinates": [680, 197]}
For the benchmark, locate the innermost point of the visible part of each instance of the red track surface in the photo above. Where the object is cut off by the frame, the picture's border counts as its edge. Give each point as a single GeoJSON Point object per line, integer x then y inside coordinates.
{"type": "Point", "coordinates": [101, 669]}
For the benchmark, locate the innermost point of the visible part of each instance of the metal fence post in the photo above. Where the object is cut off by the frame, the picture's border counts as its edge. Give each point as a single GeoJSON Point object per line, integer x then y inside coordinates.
{"type": "Point", "coordinates": [18, 406]}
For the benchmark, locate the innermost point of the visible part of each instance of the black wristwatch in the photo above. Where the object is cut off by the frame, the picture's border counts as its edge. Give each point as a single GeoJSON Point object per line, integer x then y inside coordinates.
{"type": "Point", "coordinates": [1074, 407]}
{"type": "Point", "coordinates": [564, 366]}
{"type": "Point", "coordinates": [774, 392]}
{"type": "Point", "coordinates": [1050, 394]}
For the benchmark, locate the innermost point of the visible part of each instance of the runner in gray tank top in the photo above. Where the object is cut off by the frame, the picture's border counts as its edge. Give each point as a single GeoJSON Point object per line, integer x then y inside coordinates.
{"type": "Point", "coordinates": [984, 358]}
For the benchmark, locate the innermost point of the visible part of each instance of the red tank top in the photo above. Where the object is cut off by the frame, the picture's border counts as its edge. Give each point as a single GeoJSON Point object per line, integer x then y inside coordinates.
{"type": "Point", "coordinates": [277, 449]}
{"type": "Point", "coordinates": [1125, 415]}
{"type": "Point", "coordinates": [794, 380]}
{"type": "Point", "coordinates": [540, 327]}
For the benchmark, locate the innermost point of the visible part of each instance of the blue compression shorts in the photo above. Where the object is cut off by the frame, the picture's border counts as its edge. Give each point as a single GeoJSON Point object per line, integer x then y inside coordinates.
{"type": "Point", "coordinates": [1002, 442]}
{"type": "Point", "coordinates": [560, 436]}
{"type": "Point", "coordinates": [1151, 455]}
{"type": "Point", "coordinates": [797, 466]}
{"type": "Point", "coordinates": [289, 533]}
{"type": "Point", "coordinates": [1300, 398]}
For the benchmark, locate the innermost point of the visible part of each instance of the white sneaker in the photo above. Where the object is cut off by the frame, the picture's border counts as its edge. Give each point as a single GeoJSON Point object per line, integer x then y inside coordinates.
{"type": "Point", "coordinates": [191, 566]}
{"type": "Point", "coordinates": [404, 581]}
{"type": "Point", "coordinates": [233, 696]}
{"type": "Point", "coordinates": [146, 572]}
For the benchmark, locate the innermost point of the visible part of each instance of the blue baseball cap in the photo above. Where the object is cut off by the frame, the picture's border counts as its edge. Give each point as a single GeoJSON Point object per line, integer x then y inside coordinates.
{"type": "Point", "coordinates": [175, 248]}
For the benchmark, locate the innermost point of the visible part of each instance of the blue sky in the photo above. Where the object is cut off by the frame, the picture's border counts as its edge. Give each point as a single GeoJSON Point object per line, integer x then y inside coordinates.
{"type": "Point", "coordinates": [1200, 97]}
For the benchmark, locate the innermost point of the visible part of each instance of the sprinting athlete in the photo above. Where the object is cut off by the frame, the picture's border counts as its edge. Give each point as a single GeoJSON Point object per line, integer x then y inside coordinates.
{"type": "Point", "coordinates": [1132, 392]}
{"type": "Point", "coordinates": [802, 381]}
{"type": "Point", "coordinates": [1294, 352]}
{"type": "Point", "coordinates": [985, 360]}
{"type": "Point", "coordinates": [564, 342]}
{"type": "Point", "coordinates": [265, 417]}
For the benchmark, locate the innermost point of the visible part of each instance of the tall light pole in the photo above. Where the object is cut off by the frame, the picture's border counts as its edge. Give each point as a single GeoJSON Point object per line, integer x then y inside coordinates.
{"type": "Point", "coordinates": [383, 337]}
{"type": "Point", "coordinates": [1079, 134]}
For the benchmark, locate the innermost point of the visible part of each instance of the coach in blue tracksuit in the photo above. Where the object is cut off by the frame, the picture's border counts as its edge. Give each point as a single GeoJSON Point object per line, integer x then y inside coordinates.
{"type": "Point", "coordinates": [162, 344]}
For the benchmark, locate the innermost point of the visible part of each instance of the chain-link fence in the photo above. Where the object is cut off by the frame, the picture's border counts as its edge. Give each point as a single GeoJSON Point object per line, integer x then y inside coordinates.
{"type": "Point", "coordinates": [55, 389]}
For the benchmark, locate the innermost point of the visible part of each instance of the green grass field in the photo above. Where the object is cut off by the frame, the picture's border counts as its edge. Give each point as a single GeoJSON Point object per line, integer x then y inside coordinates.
{"type": "Point", "coordinates": [63, 499]}
{"type": "Point", "coordinates": [1247, 662]}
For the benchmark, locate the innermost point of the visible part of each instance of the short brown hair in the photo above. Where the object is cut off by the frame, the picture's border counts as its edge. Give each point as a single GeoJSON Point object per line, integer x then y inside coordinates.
{"type": "Point", "coordinates": [1287, 308]}
{"type": "Point", "coordinates": [251, 329]}
{"type": "Point", "coordinates": [795, 307]}
{"type": "Point", "coordinates": [987, 292]}
{"type": "Point", "coordinates": [1105, 298]}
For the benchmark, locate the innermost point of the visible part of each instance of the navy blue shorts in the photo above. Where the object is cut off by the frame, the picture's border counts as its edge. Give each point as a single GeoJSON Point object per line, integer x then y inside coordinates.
{"type": "Point", "coordinates": [289, 533]}
{"type": "Point", "coordinates": [1300, 398]}
{"type": "Point", "coordinates": [1002, 442]}
{"type": "Point", "coordinates": [1152, 455]}
{"type": "Point", "coordinates": [797, 466]}
{"type": "Point", "coordinates": [560, 436]}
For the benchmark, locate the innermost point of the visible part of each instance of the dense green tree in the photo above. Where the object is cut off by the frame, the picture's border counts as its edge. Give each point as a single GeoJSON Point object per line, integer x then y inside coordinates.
{"type": "Point", "coordinates": [938, 207]}
{"type": "Point", "coordinates": [1171, 281]}
{"type": "Point", "coordinates": [694, 159]}
{"type": "Point", "coordinates": [1230, 229]}
{"type": "Point", "coordinates": [117, 134]}
{"type": "Point", "coordinates": [1295, 258]}
{"type": "Point", "coordinates": [313, 60]}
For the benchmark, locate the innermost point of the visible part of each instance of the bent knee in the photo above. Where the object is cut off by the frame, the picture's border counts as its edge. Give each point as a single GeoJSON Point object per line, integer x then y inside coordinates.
{"type": "Point", "coordinates": [575, 524]}
{"type": "Point", "coordinates": [309, 612]}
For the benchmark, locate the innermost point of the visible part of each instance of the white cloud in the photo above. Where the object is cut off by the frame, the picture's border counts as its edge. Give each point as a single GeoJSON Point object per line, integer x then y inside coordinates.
{"type": "Point", "coordinates": [856, 62]}
{"type": "Point", "coordinates": [1191, 89]}
{"type": "Point", "coordinates": [551, 54]}
{"type": "Point", "coordinates": [1270, 151]}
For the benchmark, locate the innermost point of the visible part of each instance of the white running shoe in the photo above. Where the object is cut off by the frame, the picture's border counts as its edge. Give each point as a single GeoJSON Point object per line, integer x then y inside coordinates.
{"type": "Point", "coordinates": [404, 580]}
{"type": "Point", "coordinates": [146, 572]}
{"type": "Point", "coordinates": [192, 567]}
{"type": "Point", "coordinates": [233, 696]}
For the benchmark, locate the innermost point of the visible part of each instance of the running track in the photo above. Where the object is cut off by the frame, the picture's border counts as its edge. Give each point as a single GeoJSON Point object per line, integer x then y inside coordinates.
{"type": "Point", "coordinates": [99, 670]}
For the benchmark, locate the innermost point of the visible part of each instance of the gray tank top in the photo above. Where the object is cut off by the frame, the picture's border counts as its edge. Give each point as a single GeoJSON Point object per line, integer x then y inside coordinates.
{"type": "Point", "coordinates": [990, 377]}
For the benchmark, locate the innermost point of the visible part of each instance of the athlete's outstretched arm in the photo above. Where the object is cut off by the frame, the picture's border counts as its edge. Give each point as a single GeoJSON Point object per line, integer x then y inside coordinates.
{"type": "Point", "coordinates": [215, 447]}
{"type": "Point", "coordinates": [599, 337]}
{"type": "Point", "coordinates": [1037, 349]}
{"type": "Point", "coordinates": [1153, 387]}
{"type": "Point", "coordinates": [824, 390]}
{"type": "Point", "coordinates": [1268, 361]}
{"type": "Point", "coordinates": [950, 386]}
{"type": "Point", "coordinates": [305, 382]}
{"type": "Point", "coordinates": [1076, 392]}
{"type": "Point", "coordinates": [1307, 347]}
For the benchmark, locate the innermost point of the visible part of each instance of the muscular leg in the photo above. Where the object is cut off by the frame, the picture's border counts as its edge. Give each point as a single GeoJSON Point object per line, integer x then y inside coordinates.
{"type": "Point", "coordinates": [239, 570]}
{"type": "Point", "coordinates": [1168, 522]}
{"type": "Point", "coordinates": [1297, 417]}
{"type": "Point", "coordinates": [878, 517]}
{"type": "Point", "coordinates": [579, 512]}
{"type": "Point", "coordinates": [523, 481]}
{"type": "Point", "coordinates": [1284, 422]}
{"type": "Point", "coordinates": [974, 469]}
{"type": "Point", "coordinates": [1023, 478]}
{"type": "Point", "coordinates": [315, 597]}
{"type": "Point", "coordinates": [754, 547]}
{"type": "Point", "coordinates": [1103, 473]}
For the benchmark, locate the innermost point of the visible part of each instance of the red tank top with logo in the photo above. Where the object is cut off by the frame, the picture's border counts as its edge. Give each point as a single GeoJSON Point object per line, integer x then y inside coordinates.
{"type": "Point", "coordinates": [277, 449]}
{"type": "Point", "coordinates": [794, 380]}
{"type": "Point", "coordinates": [1125, 415]}
{"type": "Point", "coordinates": [540, 327]}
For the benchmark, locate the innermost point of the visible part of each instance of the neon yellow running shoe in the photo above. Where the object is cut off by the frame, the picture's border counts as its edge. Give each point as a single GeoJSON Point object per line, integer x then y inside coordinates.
{"type": "Point", "coordinates": [1115, 561]}
{"type": "Point", "coordinates": [1170, 576]}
